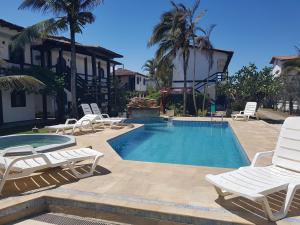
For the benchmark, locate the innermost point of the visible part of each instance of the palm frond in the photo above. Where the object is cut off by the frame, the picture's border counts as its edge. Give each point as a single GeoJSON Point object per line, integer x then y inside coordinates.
{"type": "Point", "coordinates": [21, 82]}
{"type": "Point", "coordinates": [90, 4]}
{"type": "Point", "coordinates": [37, 31]}
{"type": "Point", "coordinates": [85, 18]}
{"type": "Point", "coordinates": [44, 6]}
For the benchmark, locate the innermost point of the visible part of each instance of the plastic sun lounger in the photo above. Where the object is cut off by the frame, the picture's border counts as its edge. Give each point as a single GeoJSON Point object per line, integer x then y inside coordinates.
{"type": "Point", "coordinates": [86, 121]}
{"type": "Point", "coordinates": [256, 183]}
{"type": "Point", "coordinates": [249, 111]}
{"type": "Point", "coordinates": [104, 116]}
{"type": "Point", "coordinates": [87, 111]}
{"type": "Point", "coordinates": [14, 168]}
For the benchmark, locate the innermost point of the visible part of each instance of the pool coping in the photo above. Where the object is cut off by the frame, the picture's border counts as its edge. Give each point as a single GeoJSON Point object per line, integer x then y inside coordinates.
{"type": "Point", "coordinates": [144, 202]}
{"type": "Point", "coordinates": [241, 148]}
{"type": "Point", "coordinates": [46, 148]}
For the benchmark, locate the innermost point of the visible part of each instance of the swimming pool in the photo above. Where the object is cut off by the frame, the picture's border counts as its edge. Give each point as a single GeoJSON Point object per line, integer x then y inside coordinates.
{"type": "Point", "coordinates": [182, 142]}
{"type": "Point", "coordinates": [41, 142]}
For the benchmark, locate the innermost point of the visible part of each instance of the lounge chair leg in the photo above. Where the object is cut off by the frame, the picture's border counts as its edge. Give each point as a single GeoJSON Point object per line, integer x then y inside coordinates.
{"type": "Point", "coordinates": [221, 192]}
{"type": "Point", "coordinates": [95, 163]}
{"type": "Point", "coordinates": [2, 182]}
{"type": "Point", "coordinates": [285, 207]}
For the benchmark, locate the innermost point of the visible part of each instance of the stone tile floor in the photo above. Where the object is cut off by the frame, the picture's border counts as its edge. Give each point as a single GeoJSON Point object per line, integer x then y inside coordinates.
{"type": "Point", "coordinates": [166, 188]}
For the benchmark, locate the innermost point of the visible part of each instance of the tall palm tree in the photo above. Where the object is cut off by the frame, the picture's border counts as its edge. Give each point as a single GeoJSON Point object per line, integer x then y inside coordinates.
{"type": "Point", "coordinates": [70, 15]}
{"type": "Point", "coordinates": [193, 28]}
{"type": "Point", "coordinates": [171, 35]}
{"type": "Point", "coordinates": [151, 66]}
{"type": "Point", "coordinates": [205, 45]}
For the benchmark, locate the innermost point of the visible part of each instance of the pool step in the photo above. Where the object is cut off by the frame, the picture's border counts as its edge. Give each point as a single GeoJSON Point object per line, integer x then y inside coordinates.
{"type": "Point", "coordinates": [64, 219]}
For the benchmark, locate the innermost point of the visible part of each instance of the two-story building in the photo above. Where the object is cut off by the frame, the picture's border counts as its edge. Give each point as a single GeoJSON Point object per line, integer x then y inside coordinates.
{"type": "Point", "coordinates": [132, 81]}
{"type": "Point", "coordinates": [277, 71]}
{"type": "Point", "coordinates": [204, 74]}
{"type": "Point", "coordinates": [95, 69]}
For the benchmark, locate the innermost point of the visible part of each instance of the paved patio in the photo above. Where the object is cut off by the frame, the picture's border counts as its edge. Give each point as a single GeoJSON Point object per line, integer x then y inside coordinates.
{"type": "Point", "coordinates": [165, 188]}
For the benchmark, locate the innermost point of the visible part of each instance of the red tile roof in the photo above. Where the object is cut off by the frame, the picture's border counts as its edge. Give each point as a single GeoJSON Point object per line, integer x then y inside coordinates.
{"type": "Point", "coordinates": [125, 72]}
{"type": "Point", "coordinates": [283, 58]}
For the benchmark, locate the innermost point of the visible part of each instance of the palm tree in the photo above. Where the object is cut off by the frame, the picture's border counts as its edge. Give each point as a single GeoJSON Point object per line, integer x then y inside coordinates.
{"type": "Point", "coordinates": [70, 15]}
{"type": "Point", "coordinates": [193, 28]}
{"type": "Point", "coordinates": [171, 35]}
{"type": "Point", "coordinates": [205, 45]}
{"type": "Point", "coordinates": [151, 66]}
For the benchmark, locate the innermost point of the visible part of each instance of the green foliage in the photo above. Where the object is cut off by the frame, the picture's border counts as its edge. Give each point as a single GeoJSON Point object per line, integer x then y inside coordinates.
{"type": "Point", "coordinates": [178, 109]}
{"type": "Point", "coordinates": [153, 94]}
{"type": "Point", "coordinates": [202, 113]}
{"type": "Point", "coordinates": [175, 101]}
{"type": "Point", "coordinates": [250, 84]}
{"type": "Point", "coordinates": [290, 79]}
{"type": "Point", "coordinates": [120, 99]}
{"type": "Point", "coordinates": [53, 82]}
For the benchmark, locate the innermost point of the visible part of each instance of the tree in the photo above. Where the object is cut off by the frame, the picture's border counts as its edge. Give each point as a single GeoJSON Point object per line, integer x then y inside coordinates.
{"type": "Point", "coordinates": [205, 45]}
{"type": "Point", "coordinates": [250, 84]}
{"type": "Point", "coordinates": [290, 78]}
{"type": "Point", "coordinates": [193, 27]}
{"type": "Point", "coordinates": [70, 15]}
{"type": "Point", "coordinates": [150, 66]}
{"type": "Point", "coordinates": [173, 38]}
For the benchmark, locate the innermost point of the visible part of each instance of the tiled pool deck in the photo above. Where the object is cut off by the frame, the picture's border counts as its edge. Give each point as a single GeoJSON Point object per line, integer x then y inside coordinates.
{"type": "Point", "coordinates": [166, 191]}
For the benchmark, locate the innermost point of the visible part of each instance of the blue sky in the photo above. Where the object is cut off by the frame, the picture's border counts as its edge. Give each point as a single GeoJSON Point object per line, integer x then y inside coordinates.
{"type": "Point", "coordinates": [254, 29]}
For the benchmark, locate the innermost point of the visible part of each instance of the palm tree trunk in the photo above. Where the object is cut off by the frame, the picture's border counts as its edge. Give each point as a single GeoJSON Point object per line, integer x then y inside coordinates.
{"type": "Point", "coordinates": [194, 77]}
{"type": "Point", "coordinates": [204, 92]}
{"type": "Point", "coordinates": [184, 56]}
{"type": "Point", "coordinates": [204, 99]}
{"type": "Point", "coordinates": [73, 72]}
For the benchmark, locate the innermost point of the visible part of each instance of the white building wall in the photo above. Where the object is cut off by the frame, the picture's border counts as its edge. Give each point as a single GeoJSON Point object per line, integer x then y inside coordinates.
{"type": "Point", "coordinates": [202, 67]}
{"type": "Point", "coordinates": [142, 85]}
{"type": "Point", "coordinates": [51, 104]}
{"type": "Point", "coordinates": [5, 40]}
{"type": "Point", "coordinates": [14, 114]}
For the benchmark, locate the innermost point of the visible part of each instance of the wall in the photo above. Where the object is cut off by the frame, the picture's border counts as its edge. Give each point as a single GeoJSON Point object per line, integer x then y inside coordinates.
{"type": "Point", "coordinates": [5, 40]}
{"type": "Point", "coordinates": [51, 104]}
{"type": "Point", "coordinates": [17, 113]}
{"type": "Point", "coordinates": [202, 67]}
{"type": "Point", "coordinates": [142, 85]}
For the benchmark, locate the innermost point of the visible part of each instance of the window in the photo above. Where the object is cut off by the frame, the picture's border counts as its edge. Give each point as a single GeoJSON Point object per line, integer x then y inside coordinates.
{"type": "Point", "coordinates": [18, 99]}
{"type": "Point", "coordinates": [137, 80]}
{"type": "Point", "coordinates": [144, 81]}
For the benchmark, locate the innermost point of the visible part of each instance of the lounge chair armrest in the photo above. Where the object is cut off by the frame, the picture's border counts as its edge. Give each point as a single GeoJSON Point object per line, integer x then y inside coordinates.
{"type": "Point", "coordinates": [82, 121]}
{"type": "Point", "coordinates": [28, 148]}
{"type": "Point", "coordinates": [70, 120]}
{"type": "Point", "coordinates": [105, 115]}
{"type": "Point", "coordinates": [259, 156]}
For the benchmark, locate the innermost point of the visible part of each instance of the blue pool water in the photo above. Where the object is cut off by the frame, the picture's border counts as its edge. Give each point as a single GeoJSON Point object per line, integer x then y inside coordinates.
{"type": "Point", "coordinates": [191, 143]}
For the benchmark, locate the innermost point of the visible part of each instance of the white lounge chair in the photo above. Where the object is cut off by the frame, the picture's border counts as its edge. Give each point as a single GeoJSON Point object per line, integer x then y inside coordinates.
{"type": "Point", "coordinates": [104, 120]}
{"type": "Point", "coordinates": [22, 166]}
{"type": "Point", "coordinates": [105, 116]}
{"type": "Point", "coordinates": [249, 111]}
{"type": "Point", "coordinates": [256, 183]}
{"type": "Point", "coordinates": [86, 109]}
{"type": "Point", "coordinates": [86, 121]}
